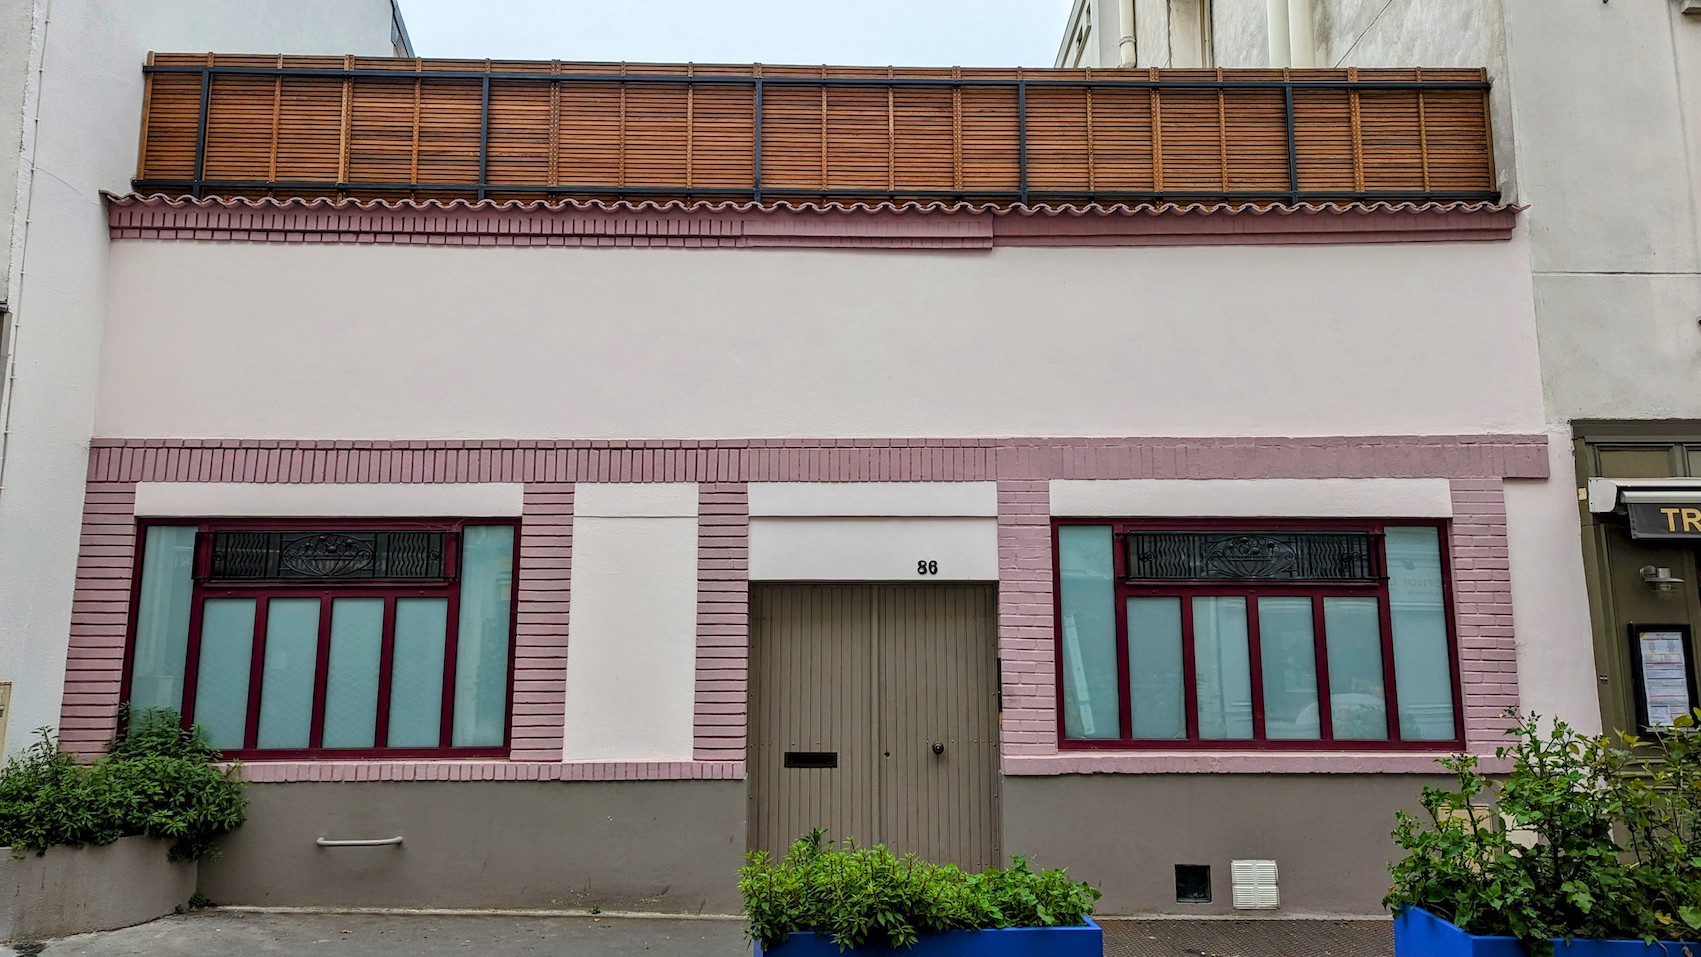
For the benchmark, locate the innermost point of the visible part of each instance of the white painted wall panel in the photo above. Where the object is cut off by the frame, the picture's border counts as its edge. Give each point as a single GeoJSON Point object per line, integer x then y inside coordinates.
{"type": "Point", "coordinates": [1250, 498]}
{"type": "Point", "coordinates": [631, 646]}
{"type": "Point", "coordinates": [1550, 599]}
{"type": "Point", "coordinates": [873, 549]}
{"type": "Point", "coordinates": [222, 499]}
{"type": "Point", "coordinates": [1415, 338]}
{"type": "Point", "coordinates": [920, 499]}
{"type": "Point", "coordinates": [635, 499]}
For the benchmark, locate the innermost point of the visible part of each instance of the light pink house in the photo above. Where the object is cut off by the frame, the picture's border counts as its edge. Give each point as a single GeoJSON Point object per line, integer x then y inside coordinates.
{"type": "Point", "coordinates": [585, 546]}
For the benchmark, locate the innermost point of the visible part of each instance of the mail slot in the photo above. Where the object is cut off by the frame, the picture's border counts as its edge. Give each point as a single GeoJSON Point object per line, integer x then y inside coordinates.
{"type": "Point", "coordinates": [812, 759]}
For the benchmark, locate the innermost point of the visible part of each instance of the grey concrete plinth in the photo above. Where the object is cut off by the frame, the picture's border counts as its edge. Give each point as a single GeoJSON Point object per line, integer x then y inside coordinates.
{"type": "Point", "coordinates": [74, 890]}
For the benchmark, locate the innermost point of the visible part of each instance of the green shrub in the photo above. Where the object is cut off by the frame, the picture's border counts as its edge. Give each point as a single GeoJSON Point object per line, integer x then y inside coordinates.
{"type": "Point", "coordinates": [868, 895]}
{"type": "Point", "coordinates": [158, 780]}
{"type": "Point", "coordinates": [1584, 837]}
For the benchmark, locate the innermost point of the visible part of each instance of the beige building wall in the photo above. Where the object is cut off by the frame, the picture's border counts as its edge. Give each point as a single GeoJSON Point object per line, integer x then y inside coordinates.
{"type": "Point", "coordinates": [79, 126]}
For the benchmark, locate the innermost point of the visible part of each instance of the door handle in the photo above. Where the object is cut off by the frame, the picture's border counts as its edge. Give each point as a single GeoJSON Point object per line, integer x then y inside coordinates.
{"type": "Point", "coordinates": [938, 748]}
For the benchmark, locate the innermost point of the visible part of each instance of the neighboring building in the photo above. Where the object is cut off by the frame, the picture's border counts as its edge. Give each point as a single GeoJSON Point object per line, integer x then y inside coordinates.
{"type": "Point", "coordinates": [69, 97]}
{"type": "Point", "coordinates": [789, 470]}
{"type": "Point", "coordinates": [1609, 162]}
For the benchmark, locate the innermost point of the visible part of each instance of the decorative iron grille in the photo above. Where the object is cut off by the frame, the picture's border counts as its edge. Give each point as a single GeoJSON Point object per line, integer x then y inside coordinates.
{"type": "Point", "coordinates": [1252, 556]}
{"type": "Point", "coordinates": [328, 556]}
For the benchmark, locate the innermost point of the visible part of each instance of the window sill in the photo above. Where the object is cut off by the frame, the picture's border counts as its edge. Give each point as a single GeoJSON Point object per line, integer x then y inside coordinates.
{"type": "Point", "coordinates": [450, 769]}
{"type": "Point", "coordinates": [1233, 762]}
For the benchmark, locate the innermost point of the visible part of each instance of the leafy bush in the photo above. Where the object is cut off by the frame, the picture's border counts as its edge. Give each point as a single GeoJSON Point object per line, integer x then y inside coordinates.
{"type": "Point", "coordinates": [869, 895]}
{"type": "Point", "coordinates": [159, 780]}
{"type": "Point", "coordinates": [1585, 837]}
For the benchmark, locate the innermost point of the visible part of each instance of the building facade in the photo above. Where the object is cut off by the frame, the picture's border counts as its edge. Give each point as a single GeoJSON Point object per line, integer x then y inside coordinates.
{"type": "Point", "coordinates": [586, 473]}
{"type": "Point", "coordinates": [67, 132]}
{"type": "Point", "coordinates": [1616, 266]}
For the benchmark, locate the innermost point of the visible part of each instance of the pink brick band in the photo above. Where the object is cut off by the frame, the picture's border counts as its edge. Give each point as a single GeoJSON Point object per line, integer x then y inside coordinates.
{"type": "Point", "coordinates": [816, 460]}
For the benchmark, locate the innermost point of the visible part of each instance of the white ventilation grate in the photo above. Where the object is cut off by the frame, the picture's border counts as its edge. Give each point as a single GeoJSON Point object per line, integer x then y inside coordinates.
{"type": "Point", "coordinates": [1254, 885]}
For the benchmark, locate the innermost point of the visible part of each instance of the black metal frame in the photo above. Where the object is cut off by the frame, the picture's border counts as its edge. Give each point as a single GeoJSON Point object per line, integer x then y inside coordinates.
{"type": "Point", "coordinates": [757, 191]}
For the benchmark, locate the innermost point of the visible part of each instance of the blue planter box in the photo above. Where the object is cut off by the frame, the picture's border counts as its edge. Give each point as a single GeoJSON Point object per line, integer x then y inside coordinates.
{"type": "Point", "coordinates": [1418, 933]}
{"type": "Point", "coordinates": [1085, 941]}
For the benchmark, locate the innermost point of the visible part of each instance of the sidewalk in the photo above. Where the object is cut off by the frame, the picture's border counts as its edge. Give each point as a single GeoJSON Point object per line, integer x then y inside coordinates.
{"type": "Point", "coordinates": [221, 932]}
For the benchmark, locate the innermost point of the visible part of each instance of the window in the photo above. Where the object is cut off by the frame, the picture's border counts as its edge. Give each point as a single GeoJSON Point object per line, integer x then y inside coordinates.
{"type": "Point", "coordinates": [328, 638]}
{"type": "Point", "coordinates": [1259, 634]}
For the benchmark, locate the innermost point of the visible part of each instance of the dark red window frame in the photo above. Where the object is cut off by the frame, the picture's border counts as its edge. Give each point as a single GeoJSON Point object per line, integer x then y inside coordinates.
{"type": "Point", "coordinates": [1252, 590]}
{"type": "Point", "coordinates": [448, 587]}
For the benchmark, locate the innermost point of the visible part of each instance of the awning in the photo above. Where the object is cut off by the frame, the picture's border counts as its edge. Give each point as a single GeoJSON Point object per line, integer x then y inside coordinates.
{"type": "Point", "coordinates": [1607, 495]}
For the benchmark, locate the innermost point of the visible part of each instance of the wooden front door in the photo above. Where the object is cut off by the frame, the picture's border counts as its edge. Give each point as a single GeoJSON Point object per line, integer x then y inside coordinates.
{"type": "Point", "coordinates": [874, 714]}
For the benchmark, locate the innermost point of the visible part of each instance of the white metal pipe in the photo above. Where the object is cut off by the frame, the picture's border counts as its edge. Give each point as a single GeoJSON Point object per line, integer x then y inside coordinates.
{"type": "Point", "coordinates": [370, 842]}
{"type": "Point", "coordinates": [1276, 12]}
{"type": "Point", "coordinates": [1127, 49]}
{"type": "Point", "coordinates": [41, 16]}
{"type": "Point", "coordinates": [1302, 46]}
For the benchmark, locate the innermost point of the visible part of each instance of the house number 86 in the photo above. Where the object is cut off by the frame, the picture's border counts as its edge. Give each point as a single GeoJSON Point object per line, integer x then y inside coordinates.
{"type": "Point", "coordinates": [927, 568]}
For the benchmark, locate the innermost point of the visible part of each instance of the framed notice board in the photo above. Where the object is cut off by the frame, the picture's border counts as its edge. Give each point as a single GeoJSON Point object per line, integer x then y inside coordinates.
{"type": "Point", "coordinates": [1663, 672]}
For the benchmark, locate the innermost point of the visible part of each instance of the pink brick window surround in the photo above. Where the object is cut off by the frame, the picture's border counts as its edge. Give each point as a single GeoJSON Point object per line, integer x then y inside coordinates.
{"type": "Point", "coordinates": [1023, 468]}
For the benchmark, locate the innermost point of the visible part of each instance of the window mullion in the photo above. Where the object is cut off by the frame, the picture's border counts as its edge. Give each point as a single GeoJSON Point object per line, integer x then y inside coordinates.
{"type": "Point", "coordinates": [256, 671]}
{"type": "Point", "coordinates": [1390, 689]}
{"type": "Point", "coordinates": [451, 637]}
{"type": "Point", "coordinates": [321, 674]}
{"type": "Point", "coordinates": [1320, 639]}
{"type": "Point", "coordinates": [1124, 666]}
{"type": "Point", "coordinates": [386, 666]}
{"type": "Point", "coordinates": [1255, 664]}
{"type": "Point", "coordinates": [1189, 669]}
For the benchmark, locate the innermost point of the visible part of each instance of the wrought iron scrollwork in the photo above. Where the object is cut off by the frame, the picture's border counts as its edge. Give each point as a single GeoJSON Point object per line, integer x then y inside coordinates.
{"type": "Point", "coordinates": [326, 555]}
{"type": "Point", "coordinates": [1236, 556]}
{"type": "Point", "coordinates": [342, 555]}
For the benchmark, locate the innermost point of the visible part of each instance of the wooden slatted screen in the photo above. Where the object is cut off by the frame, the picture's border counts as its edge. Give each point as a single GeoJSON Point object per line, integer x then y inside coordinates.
{"type": "Point", "coordinates": [216, 124]}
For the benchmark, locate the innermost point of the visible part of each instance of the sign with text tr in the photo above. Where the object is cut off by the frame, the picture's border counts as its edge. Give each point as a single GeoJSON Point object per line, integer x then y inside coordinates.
{"type": "Point", "coordinates": [1653, 520]}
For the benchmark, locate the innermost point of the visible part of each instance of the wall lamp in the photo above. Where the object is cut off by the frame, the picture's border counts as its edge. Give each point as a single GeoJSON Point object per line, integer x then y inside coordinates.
{"type": "Point", "coordinates": [1660, 579]}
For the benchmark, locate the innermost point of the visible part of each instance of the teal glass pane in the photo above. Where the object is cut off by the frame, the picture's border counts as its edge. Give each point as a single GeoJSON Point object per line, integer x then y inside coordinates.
{"type": "Point", "coordinates": [1287, 651]}
{"type": "Point", "coordinates": [1222, 668]}
{"type": "Point", "coordinates": [162, 618]}
{"type": "Point", "coordinates": [351, 682]}
{"type": "Point", "coordinates": [221, 684]}
{"type": "Point", "coordinates": [416, 677]}
{"type": "Point", "coordinates": [481, 643]}
{"type": "Point", "coordinates": [1423, 675]}
{"type": "Point", "coordinates": [286, 678]}
{"type": "Point", "coordinates": [1155, 676]}
{"type": "Point", "coordinates": [1091, 702]}
{"type": "Point", "coordinates": [1357, 709]}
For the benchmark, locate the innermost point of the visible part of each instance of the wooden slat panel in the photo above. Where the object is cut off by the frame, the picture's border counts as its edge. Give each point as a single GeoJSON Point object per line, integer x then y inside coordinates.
{"type": "Point", "coordinates": [382, 131]}
{"type": "Point", "coordinates": [309, 130]}
{"type": "Point", "coordinates": [676, 138]}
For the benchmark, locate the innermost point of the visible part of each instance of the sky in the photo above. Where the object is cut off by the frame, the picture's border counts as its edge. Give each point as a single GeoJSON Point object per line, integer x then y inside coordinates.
{"type": "Point", "coordinates": [851, 32]}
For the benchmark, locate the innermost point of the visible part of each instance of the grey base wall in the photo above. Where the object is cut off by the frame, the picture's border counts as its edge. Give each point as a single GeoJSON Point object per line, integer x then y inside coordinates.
{"type": "Point", "coordinates": [77, 890]}
{"type": "Point", "coordinates": [665, 846]}
{"type": "Point", "coordinates": [1327, 833]}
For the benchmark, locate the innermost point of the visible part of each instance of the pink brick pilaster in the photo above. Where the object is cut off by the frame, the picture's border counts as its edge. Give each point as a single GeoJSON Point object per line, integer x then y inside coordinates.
{"type": "Point", "coordinates": [723, 621]}
{"type": "Point", "coordinates": [1026, 650]}
{"type": "Point", "coordinates": [540, 633]}
{"type": "Point", "coordinates": [100, 611]}
{"type": "Point", "coordinates": [1482, 603]}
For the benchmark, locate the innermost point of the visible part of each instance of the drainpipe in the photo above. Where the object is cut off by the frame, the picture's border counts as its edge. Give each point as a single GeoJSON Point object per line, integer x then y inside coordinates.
{"type": "Point", "coordinates": [1125, 22]}
{"type": "Point", "coordinates": [1302, 47]}
{"type": "Point", "coordinates": [25, 198]}
{"type": "Point", "coordinates": [1276, 14]}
